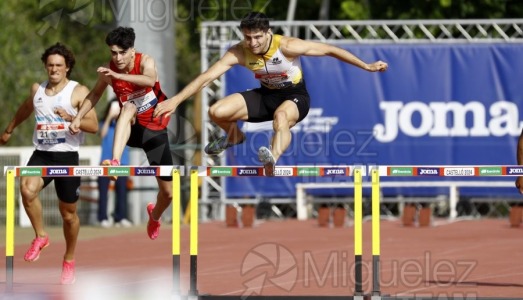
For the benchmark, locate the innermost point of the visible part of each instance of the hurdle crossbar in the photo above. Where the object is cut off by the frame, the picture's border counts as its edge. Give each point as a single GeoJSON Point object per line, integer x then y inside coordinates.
{"type": "Point", "coordinates": [67, 171]}
{"type": "Point", "coordinates": [281, 171]}
{"type": "Point", "coordinates": [448, 170]}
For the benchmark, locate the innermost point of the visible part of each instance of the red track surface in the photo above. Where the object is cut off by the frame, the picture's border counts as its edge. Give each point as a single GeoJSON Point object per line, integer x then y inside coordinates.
{"type": "Point", "coordinates": [463, 259]}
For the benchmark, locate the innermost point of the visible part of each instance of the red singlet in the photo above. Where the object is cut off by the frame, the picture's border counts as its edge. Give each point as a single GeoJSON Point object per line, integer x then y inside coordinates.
{"type": "Point", "coordinates": [145, 98]}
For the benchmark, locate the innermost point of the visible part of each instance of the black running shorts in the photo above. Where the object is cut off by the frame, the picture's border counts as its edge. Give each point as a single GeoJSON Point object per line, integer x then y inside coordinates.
{"type": "Point", "coordinates": [154, 143]}
{"type": "Point", "coordinates": [262, 102]}
{"type": "Point", "coordinates": [67, 188]}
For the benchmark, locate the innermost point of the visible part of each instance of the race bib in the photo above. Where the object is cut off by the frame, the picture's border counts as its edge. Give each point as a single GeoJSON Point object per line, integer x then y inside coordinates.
{"type": "Point", "coordinates": [50, 134]}
{"type": "Point", "coordinates": [143, 100]}
{"type": "Point", "coordinates": [274, 81]}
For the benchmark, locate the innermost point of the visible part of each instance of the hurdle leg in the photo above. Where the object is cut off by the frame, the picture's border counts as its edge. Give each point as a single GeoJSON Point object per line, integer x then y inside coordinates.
{"type": "Point", "coordinates": [358, 235]}
{"type": "Point", "coordinates": [376, 235]}
{"type": "Point", "coordinates": [176, 230]}
{"type": "Point", "coordinates": [193, 286]}
{"type": "Point", "coordinates": [10, 228]}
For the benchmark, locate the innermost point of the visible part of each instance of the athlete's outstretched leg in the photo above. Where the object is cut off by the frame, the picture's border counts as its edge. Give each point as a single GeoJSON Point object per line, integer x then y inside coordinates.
{"type": "Point", "coordinates": [30, 187]}
{"type": "Point", "coordinates": [285, 117]}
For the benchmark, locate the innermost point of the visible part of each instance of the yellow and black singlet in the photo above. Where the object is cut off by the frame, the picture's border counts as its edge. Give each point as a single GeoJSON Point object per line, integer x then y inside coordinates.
{"type": "Point", "coordinates": [273, 69]}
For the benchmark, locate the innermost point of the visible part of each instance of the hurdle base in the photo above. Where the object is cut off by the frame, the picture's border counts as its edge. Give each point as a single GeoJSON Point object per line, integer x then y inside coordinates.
{"type": "Point", "coordinates": [358, 297]}
{"type": "Point", "coordinates": [193, 294]}
{"type": "Point", "coordinates": [378, 297]}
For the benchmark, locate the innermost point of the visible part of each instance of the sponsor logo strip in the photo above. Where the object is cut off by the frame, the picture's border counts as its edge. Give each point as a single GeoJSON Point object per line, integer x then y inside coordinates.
{"type": "Point", "coordinates": [308, 171]}
{"type": "Point", "coordinates": [86, 171]}
{"type": "Point", "coordinates": [514, 170]}
{"type": "Point", "coordinates": [249, 171]}
{"type": "Point", "coordinates": [463, 171]}
{"type": "Point", "coordinates": [401, 171]}
{"type": "Point", "coordinates": [57, 171]}
{"type": "Point", "coordinates": [145, 171]}
{"type": "Point", "coordinates": [427, 171]}
{"type": "Point", "coordinates": [284, 171]}
{"type": "Point", "coordinates": [220, 171]}
{"type": "Point", "coordinates": [119, 171]}
{"type": "Point", "coordinates": [334, 171]}
{"type": "Point", "coordinates": [28, 171]}
{"type": "Point", "coordinates": [490, 171]}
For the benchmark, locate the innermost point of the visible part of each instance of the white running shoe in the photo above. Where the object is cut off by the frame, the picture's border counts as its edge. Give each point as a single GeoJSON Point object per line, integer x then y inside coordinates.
{"type": "Point", "coordinates": [106, 224]}
{"type": "Point", "coordinates": [267, 159]}
{"type": "Point", "coordinates": [123, 223]}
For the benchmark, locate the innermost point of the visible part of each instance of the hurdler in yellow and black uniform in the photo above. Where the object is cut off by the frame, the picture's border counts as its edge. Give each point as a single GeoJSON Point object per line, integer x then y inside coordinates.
{"type": "Point", "coordinates": [280, 80]}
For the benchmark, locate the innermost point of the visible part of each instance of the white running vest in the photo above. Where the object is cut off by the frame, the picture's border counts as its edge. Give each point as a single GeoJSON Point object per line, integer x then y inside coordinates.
{"type": "Point", "coordinates": [51, 131]}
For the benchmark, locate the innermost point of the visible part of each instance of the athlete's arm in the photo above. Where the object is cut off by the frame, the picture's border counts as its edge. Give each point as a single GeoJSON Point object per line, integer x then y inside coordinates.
{"type": "Point", "coordinates": [89, 102]}
{"type": "Point", "coordinates": [232, 57]}
{"type": "Point", "coordinates": [23, 112]}
{"type": "Point", "coordinates": [294, 47]}
{"type": "Point", "coordinates": [148, 77]}
{"type": "Point", "coordinates": [112, 114]}
{"type": "Point", "coordinates": [89, 122]}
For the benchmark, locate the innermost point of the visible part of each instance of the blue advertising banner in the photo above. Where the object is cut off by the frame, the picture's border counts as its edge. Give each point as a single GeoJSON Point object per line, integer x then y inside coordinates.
{"type": "Point", "coordinates": [436, 105]}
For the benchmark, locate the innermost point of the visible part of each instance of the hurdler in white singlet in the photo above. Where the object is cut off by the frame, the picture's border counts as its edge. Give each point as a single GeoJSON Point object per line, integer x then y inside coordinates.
{"type": "Point", "coordinates": [273, 69]}
{"type": "Point", "coordinates": [51, 131]}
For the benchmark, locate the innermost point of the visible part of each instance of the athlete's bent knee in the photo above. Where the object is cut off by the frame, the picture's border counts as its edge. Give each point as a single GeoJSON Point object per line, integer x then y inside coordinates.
{"type": "Point", "coordinates": [128, 109]}
{"type": "Point", "coordinates": [68, 212]}
{"type": "Point", "coordinates": [29, 190]}
{"type": "Point", "coordinates": [218, 112]}
{"type": "Point", "coordinates": [280, 121]}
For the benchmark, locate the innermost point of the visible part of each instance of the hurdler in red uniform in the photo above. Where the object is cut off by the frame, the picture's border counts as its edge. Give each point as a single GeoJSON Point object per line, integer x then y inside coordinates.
{"type": "Point", "coordinates": [134, 79]}
{"type": "Point", "coordinates": [144, 98]}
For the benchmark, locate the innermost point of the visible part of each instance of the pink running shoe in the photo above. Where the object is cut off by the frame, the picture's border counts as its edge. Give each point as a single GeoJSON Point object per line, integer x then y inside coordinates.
{"type": "Point", "coordinates": [153, 227]}
{"type": "Point", "coordinates": [111, 162]}
{"type": "Point", "coordinates": [67, 273]}
{"type": "Point", "coordinates": [37, 245]}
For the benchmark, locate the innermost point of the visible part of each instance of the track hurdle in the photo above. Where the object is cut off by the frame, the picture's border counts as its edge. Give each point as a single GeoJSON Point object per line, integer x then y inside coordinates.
{"type": "Point", "coordinates": [193, 251]}
{"type": "Point", "coordinates": [376, 235]}
{"type": "Point", "coordinates": [10, 228]}
{"type": "Point", "coordinates": [358, 235]}
{"type": "Point", "coordinates": [61, 171]}
{"type": "Point", "coordinates": [176, 231]}
{"type": "Point", "coordinates": [324, 171]}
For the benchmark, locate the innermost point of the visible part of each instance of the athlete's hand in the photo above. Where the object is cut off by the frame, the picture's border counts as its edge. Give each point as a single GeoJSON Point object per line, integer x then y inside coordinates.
{"type": "Point", "coordinates": [103, 131]}
{"type": "Point", "coordinates": [107, 72]}
{"type": "Point", "coordinates": [63, 114]}
{"type": "Point", "coordinates": [519, 184]}
{"type": "Point", "coordinates": [165, 108]}
{"type": "Point", "coordinates": [5, 137]}
{"type": "Point", "coordinates": [378, 66]}
{"type": "Point", "coordinates": [74, 127]}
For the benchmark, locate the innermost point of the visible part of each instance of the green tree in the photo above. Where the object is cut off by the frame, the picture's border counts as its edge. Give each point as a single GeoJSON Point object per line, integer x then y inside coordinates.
{"type": "Point", "coordinates": [29, 27]}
